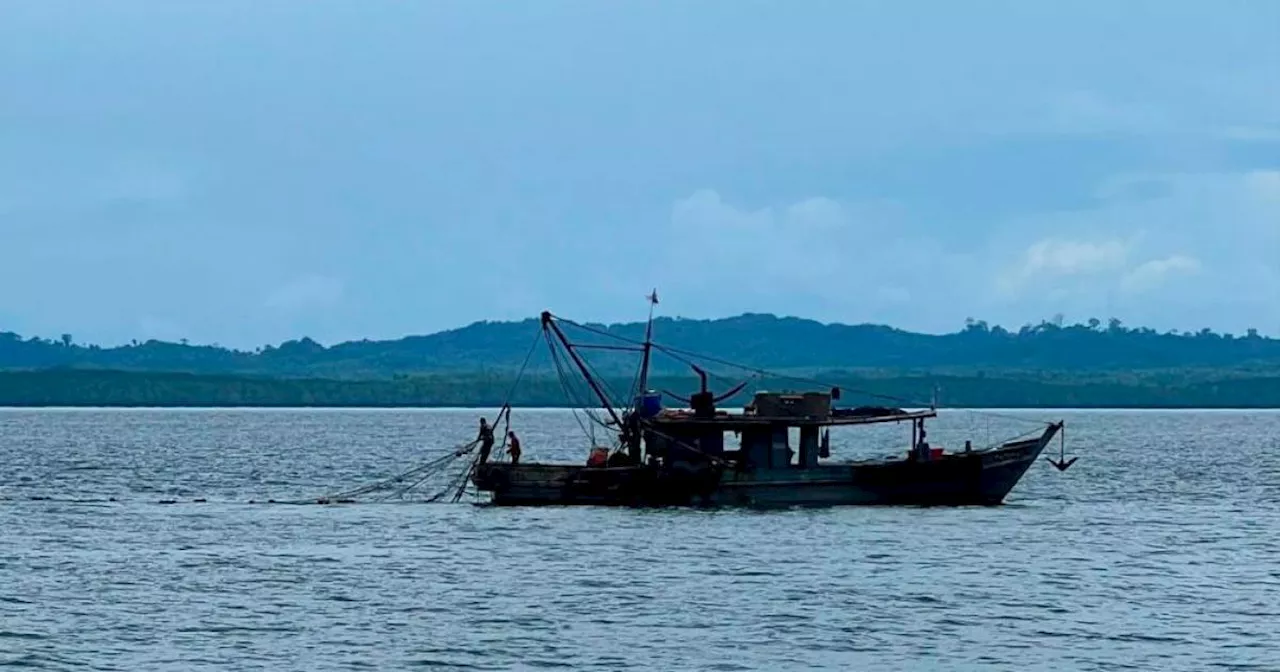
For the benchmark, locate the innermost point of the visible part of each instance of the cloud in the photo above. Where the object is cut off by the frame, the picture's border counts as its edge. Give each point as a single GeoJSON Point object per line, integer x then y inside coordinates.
{"type": "Point", "coordinates": [1115, 113]}
{"type": "Point", "coordinates": [570, 201]}
{"type": "Point", "coordinates": [306, 292]}
{"type": "Point", "coordinates": [816, 256]}
{"type": "Point", "coordinates": [1084, 111]}
{"type": "Point", "coordinates": [1068, 257]}
{"type": "Point", "coordinates": [1152, 274]}
{"type": "Point", "coordinates": [1130, 253]}
{"type": "Point", "coordinates": [1056, 257]}
{"type": "Point", "coordinates": [767, 250]}
{"type": "Point", "coordinates": [1252, 133]}
{"type": "Point", "coordinates": [1265, 185]}
{"type": "Point", "coordinates": [1127, 254]}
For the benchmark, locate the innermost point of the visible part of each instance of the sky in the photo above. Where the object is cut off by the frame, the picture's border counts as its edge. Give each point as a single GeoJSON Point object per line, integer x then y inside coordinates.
{"type": "Point", "coordinates": [247, 171]}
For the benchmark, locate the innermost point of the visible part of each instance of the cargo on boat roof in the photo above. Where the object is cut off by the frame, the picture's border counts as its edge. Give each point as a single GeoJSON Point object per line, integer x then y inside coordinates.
{"type": "Point", "coordinates": [771, 408]}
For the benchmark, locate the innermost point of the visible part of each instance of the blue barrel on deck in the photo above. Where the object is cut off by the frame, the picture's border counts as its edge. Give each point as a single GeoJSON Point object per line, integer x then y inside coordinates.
{"type": "Point", "coordinates": [649, 403]}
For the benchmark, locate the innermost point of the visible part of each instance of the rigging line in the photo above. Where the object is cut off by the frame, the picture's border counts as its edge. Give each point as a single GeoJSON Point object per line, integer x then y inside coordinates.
{"type": "Point", "coordinates": [636, 392]}
{"type": "Point", "coordinates": [399, 484]}
{"type": "Point", "coordinates": [595, 420]}
{"type": "Point", "coordinates": [443, 468]}
{"type": "Point", "coordinates": [782, 376]}
{"type": "Point", "coordinates": [670, 350]}
{"type": "Point", "coordinates": [886, 397]}
{"type": "Point", "coordinates": [634, 345]}
{"type": "Point", "coordinates": [597, 330]}
{"type": "Point", "coordinates": [610, 392]}
{"type": "Point", "coordinates": [401, 492]}
{"type": "Point", "coordinates": [520, 374]}
{"type": "Point", "coordinates": [399, 478]}
{"type": "Point", "coordinates": [450, 484]}
{"type": "Point", "coordinates": [561, 377]}
{"type": "Point", "coordinates": [585, 407]}
{"type": "Point", "coordinates": [681, 442]}
{"type": "Point", "coordinates": [565, 387]}
{"type": "Point", "coordinates": [634, 389]}
{"type": "Point", "coordinates": [562, 366]}
{"type": "Point", "coordinates": [577, 402]}
{"type": "Point", "coordinates": [586, 427]}
{"type": "Point", "coordinates": [594, 417]}
{"type": "Point", "coordinates": [511, 391]}
{"type": "Point", "coordinates": [593, 414]}
{"type": "Point", "coordinates": [430, 467]}
{"type": "Point", "coordinates": [604, 382]}
{"type": "Point", "coordinates": [1005, 416]}
{"type": "Point", "coordinates": [504, 415]}
{"type": "Point", "coordinates": [616, 348]}
{"type": "Point", "coordinates": [710, 374]}
{"type": "Point", "coordinates": [1011, 439]}
{"type": "Point", "coordinates": [462, 483]}
{"type": "Point", "coordinates": [459, 487]}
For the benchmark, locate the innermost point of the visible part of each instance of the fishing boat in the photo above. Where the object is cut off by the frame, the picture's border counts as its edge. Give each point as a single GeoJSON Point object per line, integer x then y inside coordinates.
{"type": "Point", "coordinates": [684, 456]}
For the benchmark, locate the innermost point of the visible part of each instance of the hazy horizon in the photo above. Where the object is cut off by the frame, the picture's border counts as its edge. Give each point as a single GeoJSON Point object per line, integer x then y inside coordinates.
{"type": "Point", "coordinates": [245, 173]}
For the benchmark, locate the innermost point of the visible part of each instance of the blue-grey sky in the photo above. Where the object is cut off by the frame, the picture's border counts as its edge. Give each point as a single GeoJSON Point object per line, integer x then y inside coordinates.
{"type": "Point", "coordinates": [245, 171]}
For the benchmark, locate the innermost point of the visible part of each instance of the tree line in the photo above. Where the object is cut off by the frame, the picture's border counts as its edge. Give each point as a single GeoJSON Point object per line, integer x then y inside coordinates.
{"type": "Point", "coordinates": [1158, 389]}
{"type": "Point", "coordinates": [755, 340]}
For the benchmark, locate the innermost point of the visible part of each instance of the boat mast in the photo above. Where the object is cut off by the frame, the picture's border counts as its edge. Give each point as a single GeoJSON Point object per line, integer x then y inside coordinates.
{"type": "Point", "coordinates": [648, 347]}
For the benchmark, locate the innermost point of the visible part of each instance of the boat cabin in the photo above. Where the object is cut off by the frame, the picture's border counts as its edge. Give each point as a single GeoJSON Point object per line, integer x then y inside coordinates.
{"type": "Point", "coordinates": [763, 429]}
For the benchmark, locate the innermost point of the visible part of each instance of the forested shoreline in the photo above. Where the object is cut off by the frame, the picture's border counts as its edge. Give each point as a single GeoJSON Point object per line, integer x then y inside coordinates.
{"type": "Point", "coordinates": [1095, 364]}
{"type": "Point", "coordinates": [756, 341]}
{"type": "Point", "coordinates": [108, 388]}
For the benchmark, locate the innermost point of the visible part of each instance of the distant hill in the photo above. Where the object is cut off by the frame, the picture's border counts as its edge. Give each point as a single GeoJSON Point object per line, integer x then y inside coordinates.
{"type": "Point", "coordinates": [757, 340]}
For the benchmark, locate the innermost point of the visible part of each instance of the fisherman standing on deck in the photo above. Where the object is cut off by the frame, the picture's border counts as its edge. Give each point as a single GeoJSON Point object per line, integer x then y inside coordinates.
{"type": "Point", "coordinates": [485, 437]}
{"type": "Point", "coordinates": [514, 449]}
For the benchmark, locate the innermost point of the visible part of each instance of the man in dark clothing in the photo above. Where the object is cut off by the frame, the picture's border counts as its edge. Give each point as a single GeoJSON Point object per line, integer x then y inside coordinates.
{"type": "Point", "coordinates": [485, 437]}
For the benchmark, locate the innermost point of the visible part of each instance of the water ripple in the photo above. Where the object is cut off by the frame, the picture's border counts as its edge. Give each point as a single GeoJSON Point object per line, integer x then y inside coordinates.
{"type": "Point", "coordinates": [1157, 551]}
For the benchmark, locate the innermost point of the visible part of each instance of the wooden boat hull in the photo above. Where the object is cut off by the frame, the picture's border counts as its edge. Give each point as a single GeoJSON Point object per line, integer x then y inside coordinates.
{"type": "Point", "coordinates": [974, 478]}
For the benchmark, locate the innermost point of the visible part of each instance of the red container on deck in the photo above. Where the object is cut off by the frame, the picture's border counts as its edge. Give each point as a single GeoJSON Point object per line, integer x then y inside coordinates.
{"type": "Point", "coordinates": [935, 453]}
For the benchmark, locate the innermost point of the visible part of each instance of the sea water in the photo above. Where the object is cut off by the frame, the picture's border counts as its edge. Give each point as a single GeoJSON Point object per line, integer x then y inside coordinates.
{"type": "Point", "coordinates": [1158, 550]}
